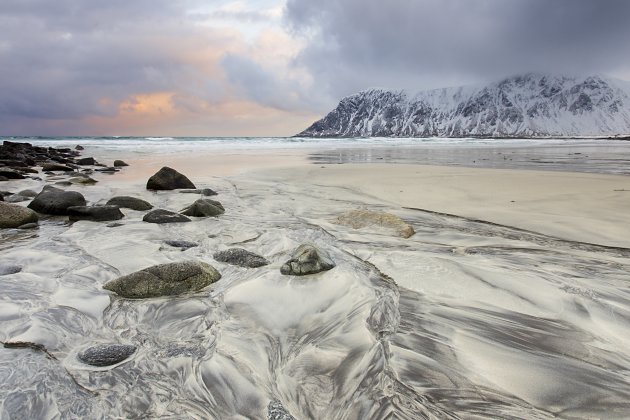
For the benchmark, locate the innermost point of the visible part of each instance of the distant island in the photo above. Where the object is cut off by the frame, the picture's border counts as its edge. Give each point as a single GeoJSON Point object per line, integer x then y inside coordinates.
{"type": "Point", "coordinates": [526, 106]}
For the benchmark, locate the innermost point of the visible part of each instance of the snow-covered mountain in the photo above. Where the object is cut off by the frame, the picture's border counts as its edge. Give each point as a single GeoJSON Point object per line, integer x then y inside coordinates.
{"type": "Point", "coordinates": [531, 105]}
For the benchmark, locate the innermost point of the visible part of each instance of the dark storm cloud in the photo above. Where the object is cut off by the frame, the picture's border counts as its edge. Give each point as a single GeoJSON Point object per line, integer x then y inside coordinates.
{"type": "Point", "coordinates": [70, 59]}
{"type": "Point", "coordinates": [356, 44]}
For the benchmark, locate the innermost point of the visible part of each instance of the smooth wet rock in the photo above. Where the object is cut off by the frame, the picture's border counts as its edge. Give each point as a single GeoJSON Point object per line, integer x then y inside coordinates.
{"type": "Point", "coordinates": [169, 179]}
{"type": "Point", "coordinates": [307, 259]}
{"type": "Point", "coordinates": [164, 216]}
{"type": "Point", "coordinates": [118, 163]}
{"type": "Point", "coordinates": [13, 216]}
{"type": "Point", "coordinates": [107, 170]}
{"type": "Point", "coordinates": [203, 191]}
{"type": "Point", "coordinates": [204, 207]}
{"type": "Point", "coordinates": [6, 269]}
{"type": "Point", "coordinates": [56, 167]}
{"type": "Point", "coordinates": [240, 257]}
{"type": "Point", "coordinates": [32, 225]}
{"type": "Point", "coordinates": [181, 244]}
{"type": "Point", "coordinates": [56, 201]}
{"type": "Point", "coordinates": [16, 198]}
{"type": "Point", "coordinates": [82, 180]}
{"type": "Point", "coordinates": [128, 202]}
{"type": "Point", "coordinates": [276, 411]}
{"type": "Point", "coordinates": [106, 354]}
{"type": "Point", "coordinates": [79, 147]}
{"type": "Point", "coordinates": [95, 213]}
{"type": "Point", "coordinates": [87, 161]}
{"type": "Point", "coordinates": [10, 174]}
{"type": "Point", "coordinates": [358, 219]}
{"type": "Point", "coordinates": [165, 280]}
{"type": "Point", "coordinates": [28, 193]}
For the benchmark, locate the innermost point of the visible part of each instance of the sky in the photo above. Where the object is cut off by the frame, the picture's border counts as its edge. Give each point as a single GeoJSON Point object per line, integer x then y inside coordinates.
{"type": "Point", "coordinates": [272, 67]}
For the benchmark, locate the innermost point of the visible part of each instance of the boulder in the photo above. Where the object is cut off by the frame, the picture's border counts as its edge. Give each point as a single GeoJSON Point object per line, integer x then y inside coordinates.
{"type": "Point", "coordinates": [240, 257]}
{"type": "Point", "coordinates": [204, 207]}
{"type": "Point", "coordinates": [168, 179]}
{"type": "Point", "coordinates": [56, 201]}
{"type": "Point", "coordinates": [181, 244]}
{"type": "Point", "coordinates": [165, 280]}
{"type": "Point", "coordinates": [204, 191]}
{"type": "Point", "coordinates": [86, 161]}
{"type": "Point", "coordinates": [27, 193]}
{"type": "Point", "coordinates": [79, 147]}
{"type": "Point", "coordinates": [164, 216]}
{"type": "Point", "coordinates": [56, 167]}
{"type": "Point", "coordinates": [358, 219]}
{"type": "Point", "coordinates": [94, 213]}
{"type": "Point", "coordinates": [12, 216]}
{"type": "Point", "coordinates": [118, 163]}
{"type": "Point", "coordinates": [307, 259]}
{"type": "Point", "coordinates": [106, 354]}
{"type": "Point", "coordinates": [128, 202]}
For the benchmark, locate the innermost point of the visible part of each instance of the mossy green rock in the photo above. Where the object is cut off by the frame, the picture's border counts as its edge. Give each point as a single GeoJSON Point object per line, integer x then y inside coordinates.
{"type": "Point", "coordinates": [165, 280]}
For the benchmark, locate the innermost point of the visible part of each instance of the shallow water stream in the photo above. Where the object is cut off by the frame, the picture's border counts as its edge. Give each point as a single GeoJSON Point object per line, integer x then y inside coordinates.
{"type": "Point", "coordinates": [465, 319]}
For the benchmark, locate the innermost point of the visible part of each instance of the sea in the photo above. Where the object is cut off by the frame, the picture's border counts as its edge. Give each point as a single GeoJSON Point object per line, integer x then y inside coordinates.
{"type": "Point", "coordinates": [466, 319]}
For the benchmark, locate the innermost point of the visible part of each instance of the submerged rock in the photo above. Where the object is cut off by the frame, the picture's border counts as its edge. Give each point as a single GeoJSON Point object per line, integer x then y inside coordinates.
{"type": "Point", "coordinates": [181, 244]}
{"type": "Point", "coordinates": [358, 219]}
{"type": "Point", "coordinates": [165, 280]}
{"type": "Point", "coordinates": [132, 203]}
{"type": "Point", "coordinates": [240, 257]}
{"type": "Point", "coordinates": [12, 216]}
{"type": "Point", "coordinates": [6, 269]}
{"type": "Point", "coordinates": [94, 213]}
{"type": "Point", "coordinates": [106, 354]}
{"type": "Point", "coordinates": [164, 216]}
{"type": "Point", "coordinates": [56, 167]}
{"type": "Point", "coordinates": [276, 411]}
{"type": "Point", "coordinates": [307, 259]}
{"type": "Point", "coordinates": [56, 201]}
{"type": "Point", "coordinates": [204, 207]}
{"type": "Point", "coordinates": [168, 179]}
{"type": "Point", "coordinates": [118, 163]}
{"type": "Point", "coordinates": [204, 191]}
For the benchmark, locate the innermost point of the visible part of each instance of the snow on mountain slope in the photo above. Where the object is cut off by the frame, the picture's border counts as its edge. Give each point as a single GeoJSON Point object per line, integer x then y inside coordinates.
{"type": "Point", "coordinates": [531, 105]}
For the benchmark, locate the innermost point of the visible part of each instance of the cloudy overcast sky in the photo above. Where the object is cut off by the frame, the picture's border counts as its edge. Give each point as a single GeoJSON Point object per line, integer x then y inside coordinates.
{"type": "Point", "coordinates": [272, 67]}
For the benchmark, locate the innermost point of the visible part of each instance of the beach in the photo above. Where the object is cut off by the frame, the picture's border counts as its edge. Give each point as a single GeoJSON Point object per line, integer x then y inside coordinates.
{"type": "Point", "coordinates": [509, 300]}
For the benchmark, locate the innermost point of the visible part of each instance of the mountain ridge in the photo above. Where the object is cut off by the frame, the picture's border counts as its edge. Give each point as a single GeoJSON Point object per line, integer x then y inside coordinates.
{"type": "Point", "coordinates": [532, 105]}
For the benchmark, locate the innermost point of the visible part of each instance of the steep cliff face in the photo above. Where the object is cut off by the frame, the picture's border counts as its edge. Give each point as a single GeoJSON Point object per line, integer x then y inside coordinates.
{"type": "Point", "coordinates": [531, 105]}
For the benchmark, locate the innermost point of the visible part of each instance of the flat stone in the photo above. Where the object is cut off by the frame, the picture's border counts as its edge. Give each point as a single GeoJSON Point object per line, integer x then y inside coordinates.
{"type": "Point", "coordinates": [307, 259]}
{"type": "Point", "coordinates": [204, 207]}
{"type": "Point", "coordinates": [56, 167]}
{"type": "Point", "coordinates": [164, 216]}
{"type": "Point", "coordinates": [204, 191]}
{"type": "Point", "coordinates": [128, 202]}
{"type": "Point", "coordinates": [165, 280]}
{"type": "Point", "coordinates": [106, 354]}
{"type": "Point", "coordinates": [358, 219]}
{"type": "Point", "coordinates": [8, 173]}
{"type": "Point", "coordinates": [240, 257]}
{"type": "Point", "coordinates": [168, 179]}
{"type": "Point", "coordinates": [181, 244]}
{"type": "Point", "coordinates": [16, 198]}
{"type": "Point", "coordinates": [82, 180]}
{"type": "Point", "coordinates": [95, 213]}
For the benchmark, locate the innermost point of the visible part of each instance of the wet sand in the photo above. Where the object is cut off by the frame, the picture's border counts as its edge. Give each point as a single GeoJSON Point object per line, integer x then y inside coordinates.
{"type": "Point", "coordinates": [472, 316]}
